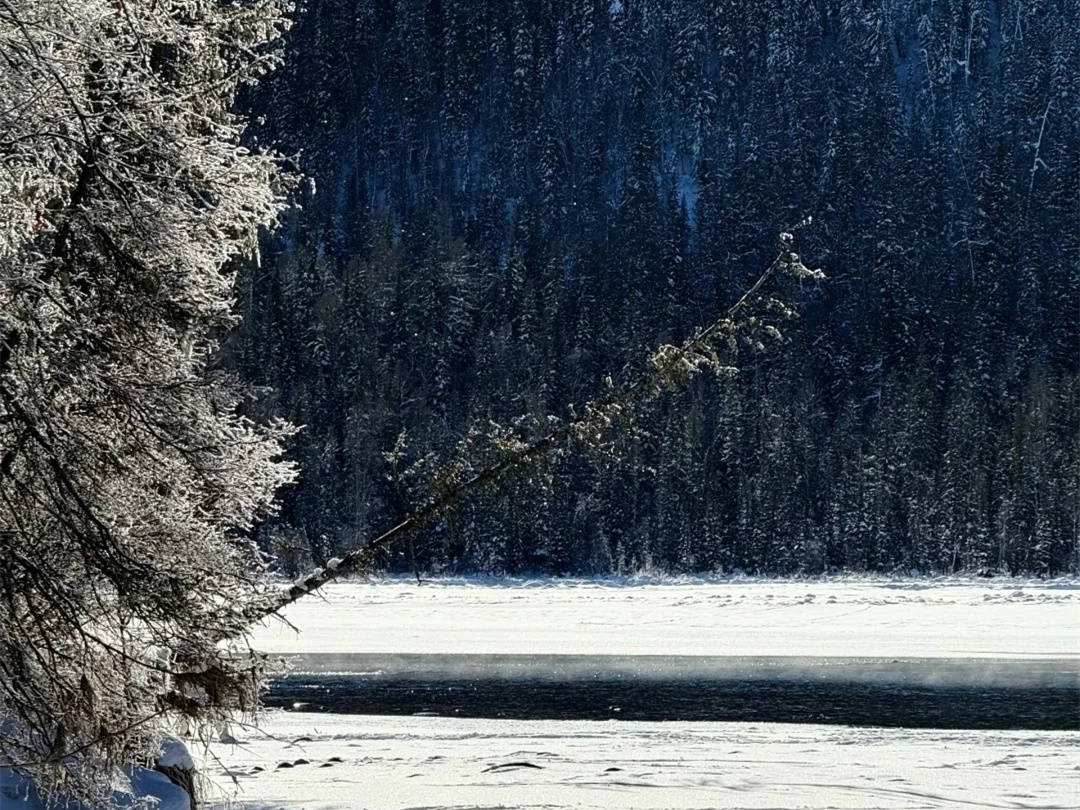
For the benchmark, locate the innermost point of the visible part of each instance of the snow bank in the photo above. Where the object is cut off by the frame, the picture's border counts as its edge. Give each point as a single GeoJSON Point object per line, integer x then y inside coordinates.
{"type": "Point", "coordinates": [135, 788]}
{"type": "Point", "coordinates": [837, 617]}
{"type": "Point", "coordinates": [174, 754]}
{"type": "Point", "coordinates": [332, 762]}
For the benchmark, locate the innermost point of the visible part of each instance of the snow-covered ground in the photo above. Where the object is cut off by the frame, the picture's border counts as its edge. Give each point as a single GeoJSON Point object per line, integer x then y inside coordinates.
{"type": "Point", "coordinates": [136, 788]}
{"type": "Point", "coordinates": [837, 617]}
{"type": "Point", "coordinates": [335, 762]}
{"type": "Point", "coordinates": [348, 762]}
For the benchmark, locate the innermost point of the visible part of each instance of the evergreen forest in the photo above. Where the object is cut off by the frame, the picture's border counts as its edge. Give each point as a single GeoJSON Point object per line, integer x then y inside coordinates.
{"type": "Point", "coordinates": [510, 200]}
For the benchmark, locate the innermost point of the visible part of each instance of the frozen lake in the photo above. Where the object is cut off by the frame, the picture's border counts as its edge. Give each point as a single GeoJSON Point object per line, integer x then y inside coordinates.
{"type": "Point", "coordinates": [904, 652]}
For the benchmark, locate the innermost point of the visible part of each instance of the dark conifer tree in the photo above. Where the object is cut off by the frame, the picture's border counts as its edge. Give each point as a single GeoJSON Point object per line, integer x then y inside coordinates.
{"type": "Point", "coordinates": [516, 198]}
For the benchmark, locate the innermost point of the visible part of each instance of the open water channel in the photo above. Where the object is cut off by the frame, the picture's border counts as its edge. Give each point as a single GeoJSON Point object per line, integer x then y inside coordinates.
{"type": "Point", "coordinates": [978, 693]}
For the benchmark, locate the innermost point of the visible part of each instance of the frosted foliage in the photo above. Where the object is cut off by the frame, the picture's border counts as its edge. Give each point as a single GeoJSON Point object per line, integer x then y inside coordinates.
{"type": "Point", "coordinates": [127, 475]}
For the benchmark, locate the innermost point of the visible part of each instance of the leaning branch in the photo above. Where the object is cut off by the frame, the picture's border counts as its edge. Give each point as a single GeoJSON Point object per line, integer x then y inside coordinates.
{"type": "Point", "coordinates": [668, 366]}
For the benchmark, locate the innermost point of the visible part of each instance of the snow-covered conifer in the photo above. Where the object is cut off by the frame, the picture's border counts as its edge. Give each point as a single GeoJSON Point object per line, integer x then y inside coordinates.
{"type": "Point", "coordinates": [128, 475]}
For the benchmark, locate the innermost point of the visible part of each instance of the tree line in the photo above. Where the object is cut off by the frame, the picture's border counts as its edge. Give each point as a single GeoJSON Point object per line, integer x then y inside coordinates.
{"type": "Point", "coordinates": [513, 200]}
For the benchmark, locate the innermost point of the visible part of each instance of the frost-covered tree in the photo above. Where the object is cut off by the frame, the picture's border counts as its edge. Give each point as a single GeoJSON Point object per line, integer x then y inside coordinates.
{"type": "Point", "coordinates": [128, 476]}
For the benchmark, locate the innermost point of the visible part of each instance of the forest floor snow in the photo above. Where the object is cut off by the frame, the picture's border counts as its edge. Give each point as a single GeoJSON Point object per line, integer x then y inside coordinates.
{"type": "Point", "coordinates": [332, 762]}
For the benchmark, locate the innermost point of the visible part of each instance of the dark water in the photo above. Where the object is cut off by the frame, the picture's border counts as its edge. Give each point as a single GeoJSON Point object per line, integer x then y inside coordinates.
{"type": "Point", "coordinates": [932, 693]}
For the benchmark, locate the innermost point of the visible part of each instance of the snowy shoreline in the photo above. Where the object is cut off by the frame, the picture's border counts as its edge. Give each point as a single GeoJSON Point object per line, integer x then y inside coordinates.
{"type": "Point", "coordinates": [333, 762]}
{"type": "Point", "coordinates": [839, 617]}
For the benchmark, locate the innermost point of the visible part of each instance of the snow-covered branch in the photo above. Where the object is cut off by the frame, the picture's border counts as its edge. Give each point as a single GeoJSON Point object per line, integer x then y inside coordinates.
{"type": "Point", "coordinates": [748, 321]}
{"type": "Point", "coordinates": [126, 469]}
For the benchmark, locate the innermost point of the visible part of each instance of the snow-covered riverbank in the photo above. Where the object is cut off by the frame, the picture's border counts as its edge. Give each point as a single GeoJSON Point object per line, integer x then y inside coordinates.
{"type": "Point", "coordinates": [347, 762]}
{"type": "Point", "coordinates": [333, 762]}
{"type": "Point", "coordinates": [835, 617]}
{"type": "Point", "coordinates": [339, 762]}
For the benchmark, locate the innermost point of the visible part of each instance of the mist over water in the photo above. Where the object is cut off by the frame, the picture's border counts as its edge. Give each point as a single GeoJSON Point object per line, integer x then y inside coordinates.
{"type": "Point", "coordinates": [915, 692]}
